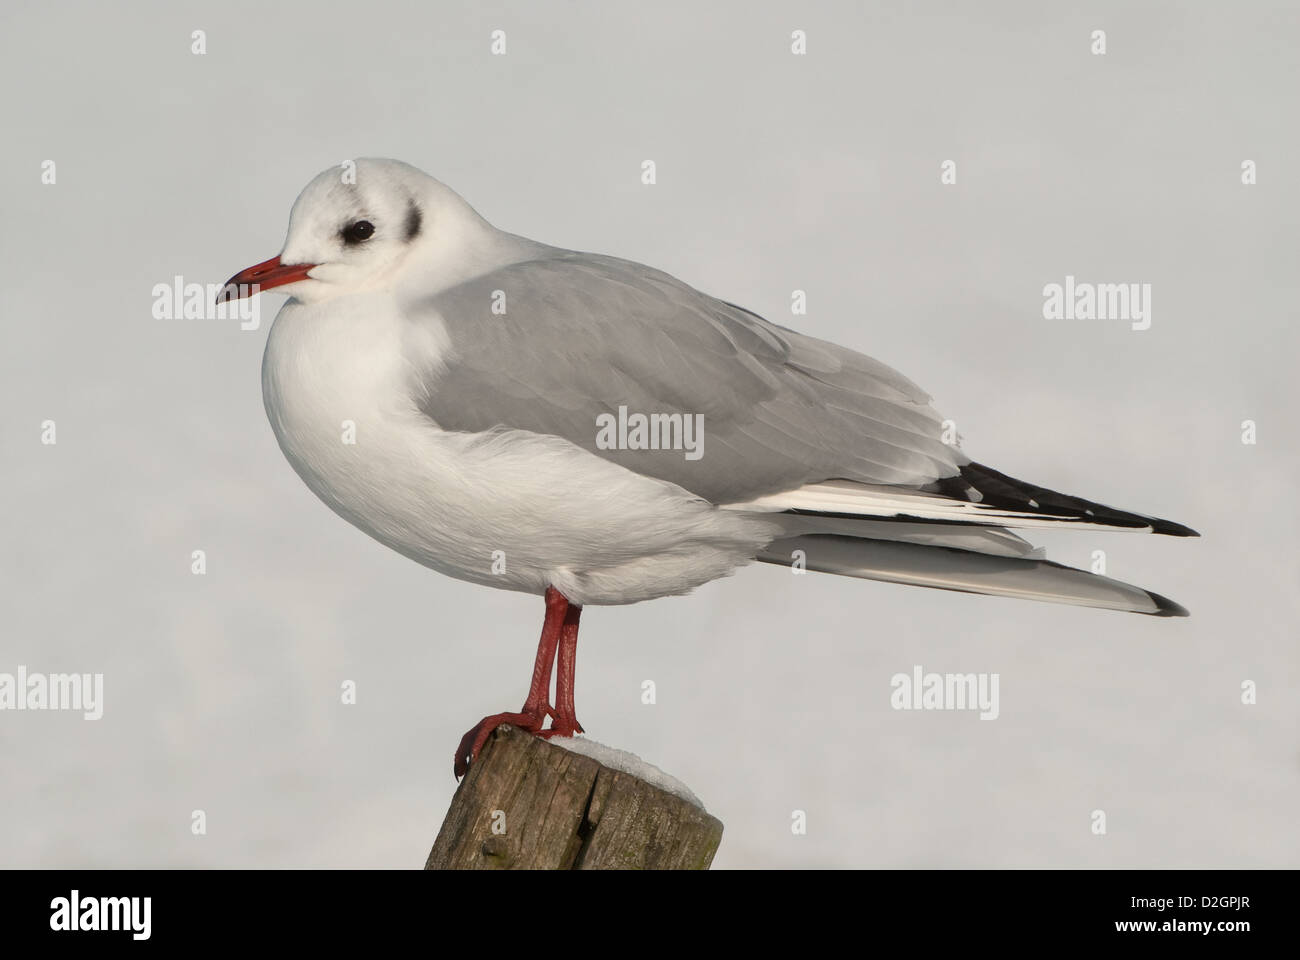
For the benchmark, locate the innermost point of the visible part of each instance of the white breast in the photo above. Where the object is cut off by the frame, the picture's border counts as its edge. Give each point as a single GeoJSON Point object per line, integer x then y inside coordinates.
{"type": "Point", "coordinates": [506, 508]}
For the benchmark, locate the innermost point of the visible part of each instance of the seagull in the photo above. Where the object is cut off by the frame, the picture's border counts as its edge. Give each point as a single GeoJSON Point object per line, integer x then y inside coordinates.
{"type": "Point", "coordinates": [595, 431]}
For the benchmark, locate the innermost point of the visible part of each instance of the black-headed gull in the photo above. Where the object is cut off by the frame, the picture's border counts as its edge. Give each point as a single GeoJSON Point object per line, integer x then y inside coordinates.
{"type": "Point", "coordinates": [596, 431]}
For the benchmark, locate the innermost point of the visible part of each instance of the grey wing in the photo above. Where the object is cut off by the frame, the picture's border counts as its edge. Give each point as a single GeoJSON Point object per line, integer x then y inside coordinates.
{"type": "Point", "coordinates": [576, 336]}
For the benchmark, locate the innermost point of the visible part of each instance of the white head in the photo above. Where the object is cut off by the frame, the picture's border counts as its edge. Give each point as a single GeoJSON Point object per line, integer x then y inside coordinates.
{"type": "Point", "coordinates": [359, 229]}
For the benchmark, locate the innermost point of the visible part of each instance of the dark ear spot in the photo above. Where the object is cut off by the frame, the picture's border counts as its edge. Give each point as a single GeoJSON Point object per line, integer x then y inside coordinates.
{"type": "Point", "coordinates": [413, 220]}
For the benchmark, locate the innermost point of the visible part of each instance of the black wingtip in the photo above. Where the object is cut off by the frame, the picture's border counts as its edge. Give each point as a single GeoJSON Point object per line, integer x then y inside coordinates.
{"type": "Point", "coordinates": [1171, 529]}
{"type": "Point", "coordinates": [1007, 493]}
{"type": "Point", "coordinates": [1166, 607]}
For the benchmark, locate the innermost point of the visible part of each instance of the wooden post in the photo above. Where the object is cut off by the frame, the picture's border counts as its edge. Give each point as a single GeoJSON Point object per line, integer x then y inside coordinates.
{"type": "Point", "coordinates": [528, 804]}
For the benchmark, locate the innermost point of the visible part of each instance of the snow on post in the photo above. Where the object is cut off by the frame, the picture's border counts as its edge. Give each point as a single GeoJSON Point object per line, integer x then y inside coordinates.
{"type": "Point", "coordinates": [527, 804]}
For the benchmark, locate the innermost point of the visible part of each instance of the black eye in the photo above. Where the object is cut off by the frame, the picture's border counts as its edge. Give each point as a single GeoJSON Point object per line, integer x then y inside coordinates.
{"type": "Point", "coordinates": [359, 231]}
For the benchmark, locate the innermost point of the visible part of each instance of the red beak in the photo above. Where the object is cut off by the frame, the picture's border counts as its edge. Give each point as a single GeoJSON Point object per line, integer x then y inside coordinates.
{"type": "Point", "coordinates": [262, 276]}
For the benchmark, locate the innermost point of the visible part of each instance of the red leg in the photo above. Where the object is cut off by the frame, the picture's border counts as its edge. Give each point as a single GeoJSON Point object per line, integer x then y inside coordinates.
{"type": "Point", "coordinates": [564, 722]}
{"type": "Point", "coordinates": [539, 691]}
{"type": "Point", "coordinates": [537, 706]}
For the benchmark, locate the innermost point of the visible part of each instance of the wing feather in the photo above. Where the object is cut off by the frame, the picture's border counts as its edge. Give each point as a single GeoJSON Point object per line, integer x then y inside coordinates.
{"type": "Point", "coordinates": [583, 335]}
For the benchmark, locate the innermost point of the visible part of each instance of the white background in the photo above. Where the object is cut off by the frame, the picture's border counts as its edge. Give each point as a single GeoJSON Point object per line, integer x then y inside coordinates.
{"type": "Point", "coordinates": [775, 173]}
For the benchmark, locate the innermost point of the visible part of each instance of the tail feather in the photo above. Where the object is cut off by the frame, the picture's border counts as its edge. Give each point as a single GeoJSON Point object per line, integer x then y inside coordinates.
{"type": "Point", "coordinates": [977, 538]}
{"type": "Point", "coordinates": [946, 568]}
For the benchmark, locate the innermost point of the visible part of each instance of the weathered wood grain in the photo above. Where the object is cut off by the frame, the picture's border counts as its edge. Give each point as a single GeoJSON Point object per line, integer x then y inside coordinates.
{"type": "Point", "coordinates": [527, 804]}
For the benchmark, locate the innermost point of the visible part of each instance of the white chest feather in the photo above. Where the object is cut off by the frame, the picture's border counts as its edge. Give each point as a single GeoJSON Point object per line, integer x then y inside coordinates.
{"type": "Point", "coordinates": [337, 383]}
{"type": "Point", "coordinates": [506, 508]}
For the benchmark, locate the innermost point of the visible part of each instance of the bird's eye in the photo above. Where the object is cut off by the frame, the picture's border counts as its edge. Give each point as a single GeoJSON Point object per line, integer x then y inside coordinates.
{"type": "Point", "coordinates": [359, 231]}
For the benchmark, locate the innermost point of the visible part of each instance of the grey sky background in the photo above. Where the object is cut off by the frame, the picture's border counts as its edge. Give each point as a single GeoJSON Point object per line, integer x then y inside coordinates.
{"type": "Point", "coordinates": [775, 172]}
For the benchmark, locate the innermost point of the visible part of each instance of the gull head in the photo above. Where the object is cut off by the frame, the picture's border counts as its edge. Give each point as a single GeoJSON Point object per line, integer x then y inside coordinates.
{"type": "Point", "coordinates": [359, 227]}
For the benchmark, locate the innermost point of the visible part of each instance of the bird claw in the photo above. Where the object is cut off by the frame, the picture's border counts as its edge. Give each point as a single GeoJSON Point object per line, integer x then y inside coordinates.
{"type": "Point", "coordinates": [529, 722]}
{"type": "Point", "coordinates": [470, 744]}
{"type": "Point", "coordinates": [560, 727]}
